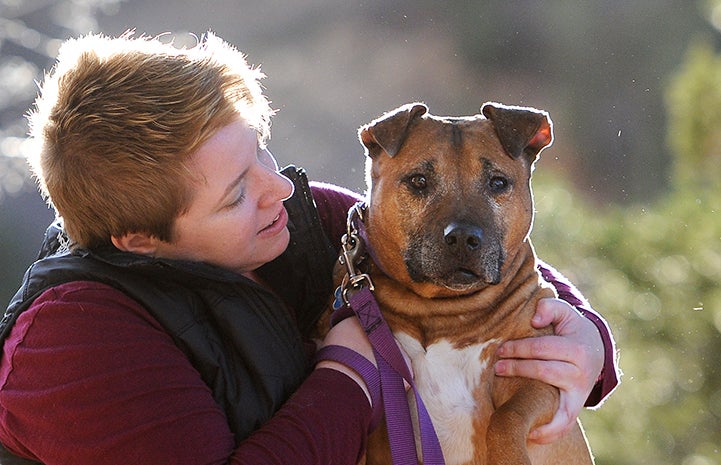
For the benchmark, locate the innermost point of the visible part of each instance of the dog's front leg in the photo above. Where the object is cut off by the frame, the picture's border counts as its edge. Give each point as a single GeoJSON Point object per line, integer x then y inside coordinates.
{"type": "Point", "coordinates": [532, 404]}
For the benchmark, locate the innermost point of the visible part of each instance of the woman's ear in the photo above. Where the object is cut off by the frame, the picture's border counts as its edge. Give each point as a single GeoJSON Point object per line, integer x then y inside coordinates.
{"type": "Point", "coordinates": [139, 243]}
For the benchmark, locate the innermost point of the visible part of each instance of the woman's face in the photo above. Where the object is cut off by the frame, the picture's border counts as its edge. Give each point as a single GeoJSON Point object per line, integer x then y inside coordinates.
{"type": "Point", "coordinates": [236, 217]}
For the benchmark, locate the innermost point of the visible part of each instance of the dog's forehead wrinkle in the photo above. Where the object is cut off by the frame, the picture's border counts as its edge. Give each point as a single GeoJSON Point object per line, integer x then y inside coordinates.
{"type": "Point", "coordinates": [456, 135]}
{"type": "Point", "coordinates": [489, 165]}
{"type": "Point", "coordinates": [425, 166]}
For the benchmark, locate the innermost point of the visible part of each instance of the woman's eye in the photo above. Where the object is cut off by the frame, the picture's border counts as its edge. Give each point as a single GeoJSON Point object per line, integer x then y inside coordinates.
{"type": "Point", "coordinates": [238, 200]}
{"type": "Point", "coordinates": [498, 184]}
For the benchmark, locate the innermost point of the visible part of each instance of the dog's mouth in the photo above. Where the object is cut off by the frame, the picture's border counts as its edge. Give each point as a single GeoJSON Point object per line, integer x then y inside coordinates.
{"type": "Point", "coordinates": [464, 279]}
{"type": "Point", "coordinates": [461, 280]}
{"type": "Point", "coordinates": [465, 276]}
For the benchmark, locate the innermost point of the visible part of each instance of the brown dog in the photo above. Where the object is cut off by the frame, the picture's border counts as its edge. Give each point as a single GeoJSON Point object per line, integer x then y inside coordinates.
{"type": "Point", "coordinates": [449, 216]}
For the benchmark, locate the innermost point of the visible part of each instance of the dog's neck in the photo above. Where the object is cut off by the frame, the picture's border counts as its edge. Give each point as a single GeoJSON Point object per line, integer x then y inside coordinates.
{"type": "Point", "coordinates": [500, 308]}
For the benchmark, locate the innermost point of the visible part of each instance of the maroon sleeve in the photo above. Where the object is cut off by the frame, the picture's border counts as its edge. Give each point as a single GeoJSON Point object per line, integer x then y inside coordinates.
{"type": "Point", "coordinates": [609, 377]}
{"type": "Point", "coordinates": [87, 376]}
{"type": "Point", "coordinates": [325, 421]}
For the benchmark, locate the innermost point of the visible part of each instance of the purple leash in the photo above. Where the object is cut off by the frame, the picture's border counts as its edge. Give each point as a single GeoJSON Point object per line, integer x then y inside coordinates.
{"type": "Point", "coordinates": [392, 367]}
{"type": "Point", "coordinates": [393, 371]}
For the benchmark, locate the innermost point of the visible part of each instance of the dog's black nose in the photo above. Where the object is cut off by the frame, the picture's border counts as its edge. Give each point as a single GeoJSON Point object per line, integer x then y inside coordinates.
{"type": "Point", "coordinates": [461, 237]}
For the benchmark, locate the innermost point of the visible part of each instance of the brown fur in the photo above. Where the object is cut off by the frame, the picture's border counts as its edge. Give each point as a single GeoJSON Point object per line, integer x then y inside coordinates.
{"type": "Point", "coordinates": [449, 216]}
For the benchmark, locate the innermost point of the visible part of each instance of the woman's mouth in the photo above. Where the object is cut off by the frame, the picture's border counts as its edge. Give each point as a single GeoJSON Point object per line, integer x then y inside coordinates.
{"type": "Point", "coordinates": [278, 224]}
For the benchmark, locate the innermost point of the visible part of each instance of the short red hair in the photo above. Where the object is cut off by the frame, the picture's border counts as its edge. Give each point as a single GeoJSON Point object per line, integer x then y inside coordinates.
{"type": "Point", "coordinates": [117, 120]}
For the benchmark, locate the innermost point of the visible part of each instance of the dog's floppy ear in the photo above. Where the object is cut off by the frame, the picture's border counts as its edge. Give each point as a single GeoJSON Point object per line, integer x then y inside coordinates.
{"type": "Point", "coordinates": [521, 130]}
{"type": "Point", "coordinates": [387, 133]}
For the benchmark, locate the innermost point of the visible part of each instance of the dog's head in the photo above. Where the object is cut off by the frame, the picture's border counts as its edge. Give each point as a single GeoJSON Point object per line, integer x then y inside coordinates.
{"type": "Point", "coordinates": [450, 199]}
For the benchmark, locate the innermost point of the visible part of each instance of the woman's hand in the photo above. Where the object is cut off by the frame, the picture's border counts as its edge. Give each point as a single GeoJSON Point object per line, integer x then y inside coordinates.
{"type": "Point", "coordinates": [571, 359]}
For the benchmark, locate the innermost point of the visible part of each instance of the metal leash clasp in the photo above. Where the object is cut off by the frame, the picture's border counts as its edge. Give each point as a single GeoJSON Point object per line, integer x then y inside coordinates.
{"type": "Point", "coordinates": [352, 253]}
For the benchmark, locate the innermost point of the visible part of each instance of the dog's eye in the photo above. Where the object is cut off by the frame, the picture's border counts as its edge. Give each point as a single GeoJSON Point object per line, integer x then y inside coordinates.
{"type": "Point", "coordinates": [498, 184]}
{"type": "Point", "coordinates": [418, 182]}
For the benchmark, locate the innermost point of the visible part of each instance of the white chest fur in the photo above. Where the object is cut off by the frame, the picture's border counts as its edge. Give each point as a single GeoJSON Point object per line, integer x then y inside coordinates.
{"type": "Point", "coordinates": [447, 379]}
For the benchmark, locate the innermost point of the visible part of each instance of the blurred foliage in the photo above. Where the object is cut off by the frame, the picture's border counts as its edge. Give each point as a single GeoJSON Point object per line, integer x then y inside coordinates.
{"type": "Point", "coordinates": [654, 273]}
{"type": "Point", "coordinates": [695, 129]}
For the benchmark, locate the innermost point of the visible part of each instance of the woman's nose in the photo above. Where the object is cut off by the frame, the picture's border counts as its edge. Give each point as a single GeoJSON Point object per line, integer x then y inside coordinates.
{"type": "Point", "coordinates": [275, 186]}
{"type": "Point", "coordinates": [282, 185]}
{"type": "Point", "coordinates": [285, 185]}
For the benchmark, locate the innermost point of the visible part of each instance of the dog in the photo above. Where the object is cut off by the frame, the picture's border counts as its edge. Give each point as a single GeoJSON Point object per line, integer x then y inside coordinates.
{"type": "Point", "coordinates": [449, 213]}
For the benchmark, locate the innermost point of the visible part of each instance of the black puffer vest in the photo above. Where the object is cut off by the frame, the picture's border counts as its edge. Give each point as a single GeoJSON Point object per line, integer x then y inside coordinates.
{"type": "Point", "coordinates": [246, 341]}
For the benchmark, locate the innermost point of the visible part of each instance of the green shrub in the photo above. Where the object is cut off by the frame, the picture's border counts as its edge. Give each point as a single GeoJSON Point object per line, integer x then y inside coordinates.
{"type": "Point", "coordinates": [654, 273]}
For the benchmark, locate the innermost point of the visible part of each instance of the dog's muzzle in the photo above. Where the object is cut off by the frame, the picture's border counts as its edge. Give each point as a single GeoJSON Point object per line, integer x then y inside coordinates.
{"type": "Point", "coordinates": [461, 256]}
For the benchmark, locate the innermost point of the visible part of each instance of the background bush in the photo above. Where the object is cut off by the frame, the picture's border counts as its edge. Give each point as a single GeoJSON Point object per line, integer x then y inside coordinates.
{"type": "Point", "coordinates": [654, 272]}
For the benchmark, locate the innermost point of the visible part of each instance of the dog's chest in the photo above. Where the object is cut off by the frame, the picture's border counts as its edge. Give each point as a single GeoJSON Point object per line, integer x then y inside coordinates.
{"type": "Point", "coordinates": [454, 384]}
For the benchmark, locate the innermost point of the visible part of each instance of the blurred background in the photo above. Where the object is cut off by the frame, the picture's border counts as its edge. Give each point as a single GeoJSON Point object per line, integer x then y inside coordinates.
{"type": "Point", "coordinates": [628, 197]}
